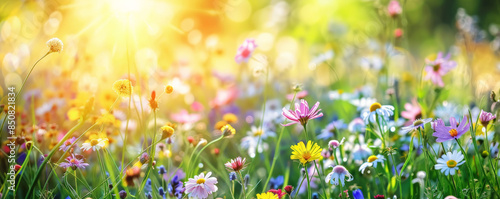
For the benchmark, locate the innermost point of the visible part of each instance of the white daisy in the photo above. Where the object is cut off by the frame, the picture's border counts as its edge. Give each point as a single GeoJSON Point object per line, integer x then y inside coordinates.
{"type": "Point", "coordinates": [94, 144]}
{"type": "Point", "coordinates": [419, 123]}
{"type": "Point", "coordinates": [376, 109]}
{"type": "Point", "coordinates": [449, 162]}
{"type": "Point", "coordinates": [252, 139]}
{"type": "Point", "coordinates": [372, 161]}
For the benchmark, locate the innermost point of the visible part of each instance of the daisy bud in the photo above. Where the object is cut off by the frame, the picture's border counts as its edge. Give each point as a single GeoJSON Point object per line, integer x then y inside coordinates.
{"type": "Point", "coordinates": [166, 131]}
{"type": "Point", "coordinates": [450, 197]}
{"type": "Point", "coordinates": [55, 45]}
{"type": "Point", "coordinates": [123, 194]}
{"type": "Point", "coordinates": [144, 158]}
{"type": "Point", "coordinates": [485, 154]}
{"type": "Point", "coordinates": [379, 197]}
{"type": "Point", "coordinates": [203, 142]}
{"type": "Point", "coordinates": [169, 89]}
{"type": "Point", "coordinates": [228, 130]}
{"type": "Point", "coordinates": [297, 88]}
{"type": "Point", "coordinates": [289, 189]}
{"type": "Point", "coordinates": [421, 174]}
{"type": "Point", "coordinates": [485, 118]}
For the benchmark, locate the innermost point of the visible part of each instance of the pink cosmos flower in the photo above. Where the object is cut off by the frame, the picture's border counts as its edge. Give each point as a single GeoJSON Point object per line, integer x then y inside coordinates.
{"type": "Point", "coordinates": [412, 111]}
{"type": "Point", "coordinates": [302, 113]}
{"type": "Point", "coordinates": [455, 130]}
{"type": "Point", "coordinates": [486, 117]}
{"type": "Point", "coordinates": [185, 118]}
{"type": "Point", "coordinates": [236, 164]}
{"type": "Point", "coordinates": [67, 144]}
{"type": "Point", "coordinates": [73, 162]}
{"type": "Point", "coordinates": [245, 51]}
{"type": "Point", "coordinates": [437, 68]}
{"type": "Point", "coordinates": [394, 8]}
{"type": "Point", "coordinates": [201, 186]}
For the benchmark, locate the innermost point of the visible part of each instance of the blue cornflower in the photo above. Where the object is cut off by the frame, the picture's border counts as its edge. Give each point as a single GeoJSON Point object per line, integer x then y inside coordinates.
{"type": "Point", "coordinates": [357, 194]}
{"type": "Point", "coordinates": [277, 182]}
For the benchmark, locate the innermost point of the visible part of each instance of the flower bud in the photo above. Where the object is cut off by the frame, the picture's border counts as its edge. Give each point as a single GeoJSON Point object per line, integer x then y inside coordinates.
{"type": "Point", "coordinates": [289, 189]}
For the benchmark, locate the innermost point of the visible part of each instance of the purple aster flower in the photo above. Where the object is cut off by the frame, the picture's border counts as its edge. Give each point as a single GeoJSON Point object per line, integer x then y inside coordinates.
{"type": "Point", "coordinates": [454, 131]}
{"type": "Point", "coordinates": [74, 163]}
{"type": "Point", "coordinates": [302, 113]}
{"type": "Point", "coordinates": [175, 187]}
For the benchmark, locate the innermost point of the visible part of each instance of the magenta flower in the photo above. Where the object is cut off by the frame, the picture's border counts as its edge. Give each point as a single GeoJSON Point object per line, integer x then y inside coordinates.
{"type": "Point", "coordinates": [73, 162]}
{"type": "Point", "coordinates": [302, 113]}
{"type": "Point", "coordinates": [67, 144]}
{"type": "Point", "coordinates": [486, 117]}
{"type": "Point", "coordinates": [245, 51]}
{"type": "Point", "coordinates": [394, 8]}
{"type": "Point", "coordinates": [454, 131]}
{"type": "Point", "coordinates": [437, 68]}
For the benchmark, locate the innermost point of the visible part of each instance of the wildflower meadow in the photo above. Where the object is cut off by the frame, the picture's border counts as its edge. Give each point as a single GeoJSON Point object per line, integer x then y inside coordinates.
{"type": "Point", "coordinates": [249, 99]}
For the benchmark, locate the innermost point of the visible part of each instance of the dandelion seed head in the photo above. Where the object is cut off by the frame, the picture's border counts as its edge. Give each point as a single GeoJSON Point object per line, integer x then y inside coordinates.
{"type": "Point", "coordinates": [55, 45]}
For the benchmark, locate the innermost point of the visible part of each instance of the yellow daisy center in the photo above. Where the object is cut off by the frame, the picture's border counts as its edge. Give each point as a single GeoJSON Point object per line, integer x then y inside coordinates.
{"type": "Point", "coordinates": [372, 158]}
{"type": "Point", "coordinates": [418, 122]}
{"type": "Point", "coordinates": [453, 132]}
{"type": "Point", "coordinates": [94, 142]}
{"type": "Point", "coordinates": [451, 163]}
{"type": "Point", "coordinates": [258, 133]}
{"type": "Point", "coordinates": [306, 156]}
{"type": "Point", "coordinates": [375, 106]}
{"type": "Point", "coordinates": [200, 181]}
{"type": "Point", "coordinates": [72, 161]}
{"type": "Point", "coordinates": [341, 91]}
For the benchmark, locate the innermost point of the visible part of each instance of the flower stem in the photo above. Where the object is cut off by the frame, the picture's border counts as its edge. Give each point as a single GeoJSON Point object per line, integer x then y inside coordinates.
{"type": "Point", "coordinates": [277, 149]}
{"type": "Point", "coordinates": [45, 161]}
{"type": "Point", "coordinates": [22, 86]}
{"type": "Point", "coordinates": [468, 167]}
{"type": "Point", "coordinates": [243, 187]}
{"type": "Point", "coordinates": [308, 182]}
{"type": "Point", "coordinates": [199, 152]}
